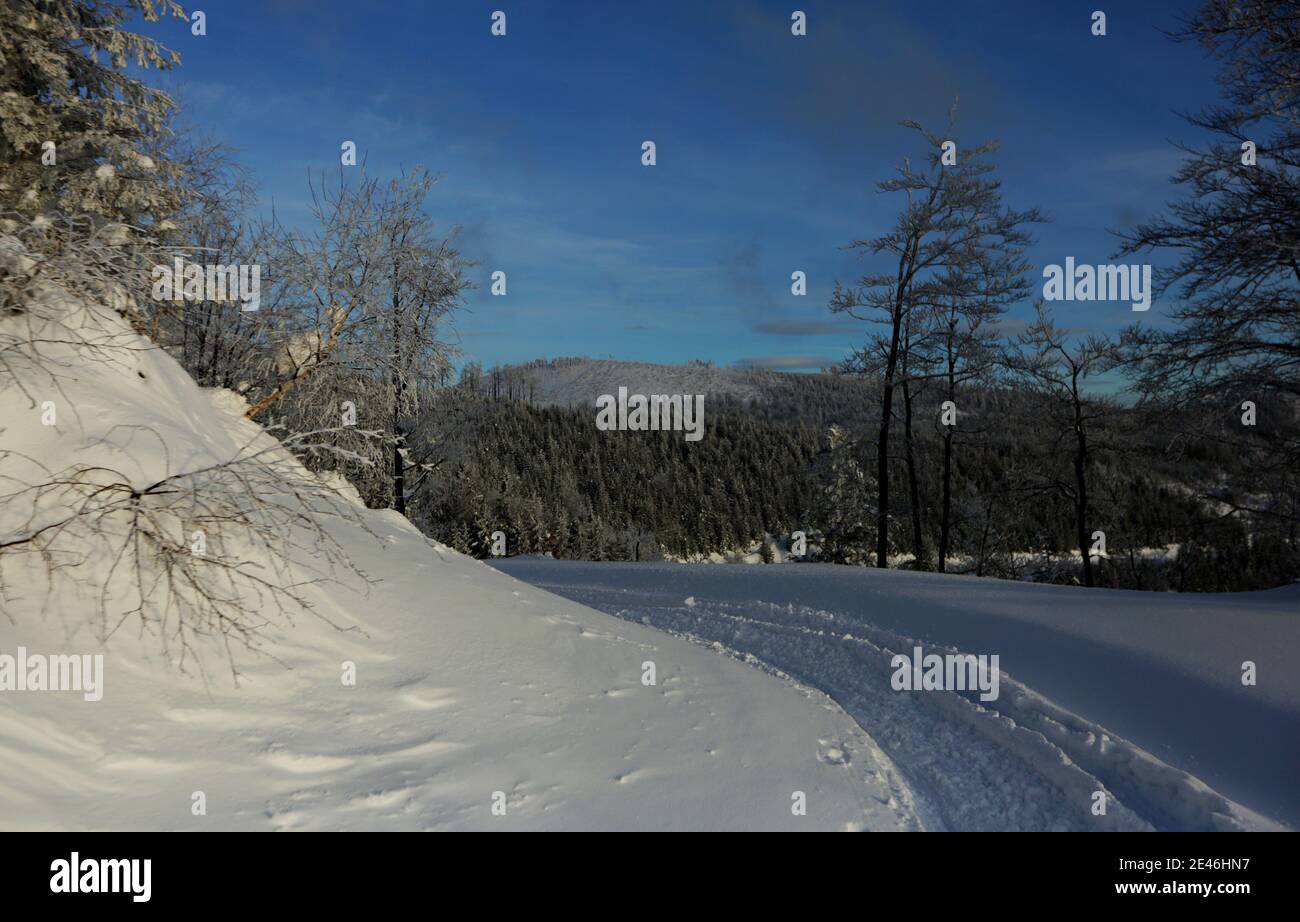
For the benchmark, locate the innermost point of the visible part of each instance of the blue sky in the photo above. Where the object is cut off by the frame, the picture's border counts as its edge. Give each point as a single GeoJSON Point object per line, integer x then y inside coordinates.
{"type": "Point", "coordinates": [769, 145]}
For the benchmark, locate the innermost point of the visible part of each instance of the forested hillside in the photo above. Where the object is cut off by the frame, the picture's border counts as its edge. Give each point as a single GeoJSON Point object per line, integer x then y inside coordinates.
{"type": "Point", "coordinates": [799, 458]}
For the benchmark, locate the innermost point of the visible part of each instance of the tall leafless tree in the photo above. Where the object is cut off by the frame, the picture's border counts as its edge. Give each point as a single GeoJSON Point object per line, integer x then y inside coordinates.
{"type": "Point", "coordinates": [1235, 334]}
{"type": "Point", "coordinates": [1055, 365]}
{"type": "Point", "coordinates": [360, 303]}
{"type": "Point", "coordinates": [950, 211]}
{"type": "Point", "coordinates": [981, 283]}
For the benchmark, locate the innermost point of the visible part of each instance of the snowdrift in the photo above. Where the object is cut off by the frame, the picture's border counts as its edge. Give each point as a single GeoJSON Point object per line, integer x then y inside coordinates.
{"type": "Point", "coordinates": [478, 702]}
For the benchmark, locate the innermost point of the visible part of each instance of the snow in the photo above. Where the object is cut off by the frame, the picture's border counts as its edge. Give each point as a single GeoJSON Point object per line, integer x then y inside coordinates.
{"type": "Point", "coordinates": [1136, 694]}
{"type": "Point", "coordinates": [752, 553]}
{"type": "Point", "coordinates": [470, 686]}
{"type": "Point", "coordinates": [474, 688]}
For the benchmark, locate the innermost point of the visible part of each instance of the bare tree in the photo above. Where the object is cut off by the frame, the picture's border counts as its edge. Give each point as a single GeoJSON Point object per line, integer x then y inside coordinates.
{"type": "Point", "coordinates": [326, 286]}
{"type": "Point", "coordinates": [1238, 232]}
{"type": "Point", "coordinates": [425, 279]}
{"type": "Point", "coordinates": [359, 304]}
{"type": "Point", "coordinates": [184, 547]}
{"type": "Point", "coordinates": [265, 537]}
{"type": "Point", "coordinates": [950, 212]}
{"type": "Point", "coordinates": [920, 241]}
{"type": "Point", "coordinates": [982, 281]}
{"type": "Point", "coordinates": [218, 343]}
{"type": "Point", "coordinates": [1236, 235]}
{"type": "Point", "coordinates": [1050, 363]}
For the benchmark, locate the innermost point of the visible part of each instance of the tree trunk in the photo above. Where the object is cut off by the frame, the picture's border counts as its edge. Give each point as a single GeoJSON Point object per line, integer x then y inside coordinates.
{"type": "Point", "coordinates": [323, 353]}
{"type": "Point", "coordinates": [1081, 517]}
{"type": "Point", "coordinates": [945, 517]}
{"type": "Point", "coordinates": [913, 486]}
{"type": "Point", "coordinates": [399, 474]}
{"type": "Point", "coordinates": [1081, 491]}
{"type": "Point", "coordinates": [984, 539]}
{"type": "Point", "coordinates": [886, 415]}
{"type": "Point", "coordinates": [399, 380]}
{"type": "Point", "coordinates": [882, 473]}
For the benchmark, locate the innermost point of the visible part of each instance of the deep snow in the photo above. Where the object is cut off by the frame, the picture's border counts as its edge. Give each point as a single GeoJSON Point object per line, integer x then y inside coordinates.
{"type": "Point", "coordinates": [468, 683]}
{"type": "Point", "coordinates": [1139, 693]}
{"type": "Point", "coordinates": [471, 684]}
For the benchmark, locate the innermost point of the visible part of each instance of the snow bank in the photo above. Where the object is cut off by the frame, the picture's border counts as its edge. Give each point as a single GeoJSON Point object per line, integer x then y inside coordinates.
{"type": "Point", "coordinates": [478, 701]}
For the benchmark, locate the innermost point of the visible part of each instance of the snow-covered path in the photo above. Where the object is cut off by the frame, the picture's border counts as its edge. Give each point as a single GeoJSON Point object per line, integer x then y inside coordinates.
{"type": "Point", "coordinates": [472, 692]}
{"type": "Point", "coordinates": [1159, 672]}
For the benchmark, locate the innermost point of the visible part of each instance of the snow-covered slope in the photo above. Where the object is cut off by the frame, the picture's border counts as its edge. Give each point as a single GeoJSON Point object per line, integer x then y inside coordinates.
{"type": "Point", "coordinates": [471, 690]}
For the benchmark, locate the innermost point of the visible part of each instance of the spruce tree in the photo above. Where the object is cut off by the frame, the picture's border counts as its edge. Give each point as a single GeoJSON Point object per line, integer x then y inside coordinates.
{"type": "Point", "coordinates": [74, 127]}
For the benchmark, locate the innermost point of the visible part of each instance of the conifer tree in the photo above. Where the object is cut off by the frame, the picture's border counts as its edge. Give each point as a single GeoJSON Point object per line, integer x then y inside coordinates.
{"type": "Point", "coordinates": [73, 124]}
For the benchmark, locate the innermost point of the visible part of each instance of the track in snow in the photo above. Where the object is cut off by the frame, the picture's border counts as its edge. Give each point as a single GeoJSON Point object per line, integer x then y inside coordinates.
{"type": "Point", "coordinates": [1019, 763]}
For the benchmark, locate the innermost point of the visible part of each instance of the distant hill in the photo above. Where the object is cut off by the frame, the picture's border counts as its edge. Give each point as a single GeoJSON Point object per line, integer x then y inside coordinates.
{"type": "Point", "coordinates": [576, 382]}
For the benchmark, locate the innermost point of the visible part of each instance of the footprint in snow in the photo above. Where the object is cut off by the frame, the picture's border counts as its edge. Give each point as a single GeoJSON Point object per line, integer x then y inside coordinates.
{"type": "Point", "coordinates": [831, 753]}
